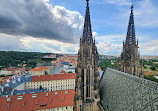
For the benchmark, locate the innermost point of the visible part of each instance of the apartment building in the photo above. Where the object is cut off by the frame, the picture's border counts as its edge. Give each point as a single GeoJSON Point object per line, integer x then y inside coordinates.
{"type": "Point", "coordinates": [16, 83]}
{"type": "Point", "coordinates": [11, 71]}
{"type": "Point", "coordinates": [39, 71]}
{"type": "Point", "coordinates": [54, 82]}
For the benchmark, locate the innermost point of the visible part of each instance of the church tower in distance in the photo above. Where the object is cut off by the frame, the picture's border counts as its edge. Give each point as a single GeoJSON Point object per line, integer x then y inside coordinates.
{"type": "Point", "coordinates": [87, 81]}
{"type": "Point", "coordinates": [130, 57]}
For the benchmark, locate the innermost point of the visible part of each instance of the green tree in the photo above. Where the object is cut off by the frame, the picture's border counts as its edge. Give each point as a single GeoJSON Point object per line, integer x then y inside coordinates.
{"type": "Point", "coordinates": [145, 67]}
{"type": "Point", "coordinates": [70, 72]}
{"type": "Point", "coordinates": [152, 78]}
{"type": "Point", "coordinates": [152, 68]}
{"type": "Point", "coordinates": [2, 75]}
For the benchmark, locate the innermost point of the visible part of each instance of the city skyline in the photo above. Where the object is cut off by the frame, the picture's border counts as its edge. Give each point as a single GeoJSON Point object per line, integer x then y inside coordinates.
{"type": "Point", "coordinates": [56, 26]}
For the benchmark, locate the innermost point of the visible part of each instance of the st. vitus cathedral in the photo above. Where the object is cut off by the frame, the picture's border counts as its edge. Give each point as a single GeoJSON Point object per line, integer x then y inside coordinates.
{"type": "Point", "coordinates": [130, 57]}
{"type": "Point", "coordinates": [87, 82]}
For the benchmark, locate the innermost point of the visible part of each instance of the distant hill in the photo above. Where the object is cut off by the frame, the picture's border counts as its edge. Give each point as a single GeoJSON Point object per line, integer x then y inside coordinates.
{"type": "Point", "coordinates": [13, 58]}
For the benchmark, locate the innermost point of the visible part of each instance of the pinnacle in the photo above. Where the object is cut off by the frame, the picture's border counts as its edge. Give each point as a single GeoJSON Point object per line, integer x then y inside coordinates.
{"type": "Point", "coordinates": [131, 7]}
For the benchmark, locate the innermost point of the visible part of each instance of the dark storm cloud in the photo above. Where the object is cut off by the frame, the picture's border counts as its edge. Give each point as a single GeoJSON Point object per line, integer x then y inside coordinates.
{"type": "Point", "coordinates": [34, 18]}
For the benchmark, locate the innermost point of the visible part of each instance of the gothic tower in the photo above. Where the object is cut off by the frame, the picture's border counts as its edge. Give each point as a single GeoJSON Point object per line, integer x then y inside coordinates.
{"type": "Point", "coordinates": [87, 82]}
{"type": "Point", "coordinates": [130, 57]}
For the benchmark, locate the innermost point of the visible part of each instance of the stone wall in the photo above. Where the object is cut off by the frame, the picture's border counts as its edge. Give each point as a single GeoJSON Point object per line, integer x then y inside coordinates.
{"type": "Point", "coordinates": [124, 92]}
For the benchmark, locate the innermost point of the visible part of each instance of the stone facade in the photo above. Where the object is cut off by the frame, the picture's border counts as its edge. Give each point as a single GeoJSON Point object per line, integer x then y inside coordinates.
{"type": "Point", "coordinates": [130, 57]}
{"type": "Point", "coordinates": [87, 81]}
{"type": "Point", "coordinates": [52, 85]}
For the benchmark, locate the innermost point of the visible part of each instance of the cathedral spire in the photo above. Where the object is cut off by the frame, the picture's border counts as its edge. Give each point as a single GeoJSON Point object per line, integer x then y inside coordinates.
{"type": "Point", "coordinates": [87, 96]}
{"type": "Point", "coordinates": [87, 32]}
{"type": "Point", "coordinates": [130, 37]}
{"type": "Point", "coordinates": [130, 57]}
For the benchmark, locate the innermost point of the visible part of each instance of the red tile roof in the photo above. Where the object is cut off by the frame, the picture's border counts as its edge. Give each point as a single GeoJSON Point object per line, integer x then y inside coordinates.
{"type": "Point", "coordinates": [62, 72]}
{"type": "Point", "coordinates": [39, 69]}
{"type": "Point", "coordinates": [29, 104]}
{"type": "Point", "coordinates": [73, 56]}
{"type": "Point", "coordinates": [12, 69]}
{"type": "Point", "coordinates": [53, 77]}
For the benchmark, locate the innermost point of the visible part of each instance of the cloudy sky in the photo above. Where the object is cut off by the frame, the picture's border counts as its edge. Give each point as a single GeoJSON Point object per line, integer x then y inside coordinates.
{"type": "Point", "coordinates": [56, 25]}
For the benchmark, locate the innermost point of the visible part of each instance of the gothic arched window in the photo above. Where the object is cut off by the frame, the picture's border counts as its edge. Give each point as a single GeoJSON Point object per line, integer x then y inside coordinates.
{"type": "Point", "coordinates": [88, 82]}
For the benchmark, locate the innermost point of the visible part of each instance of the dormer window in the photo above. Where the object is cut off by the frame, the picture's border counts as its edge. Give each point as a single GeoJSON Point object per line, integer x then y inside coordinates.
{"type": "Point", "coordinates": [34, 95]}
{"type": "Point", "coordinates": [56, 93]}
{"type": "Point", "coordinates": [20, 97]}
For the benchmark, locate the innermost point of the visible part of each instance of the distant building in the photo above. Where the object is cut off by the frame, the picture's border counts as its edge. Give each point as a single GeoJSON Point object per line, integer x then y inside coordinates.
{"type": "Point", "coordinates": [65, 63]}
{"type": "Point", "coordinates": [56, 62]}
{"type": "Point", "coordinates": [54, 82]}
{"type": "Point", "coordinates": [11, 71]}
{"type": "Point", "coordinates": [73, 63]}
{"type": "Point", "coordinates": [39, 71]}
{"type": "Point", "coordinates": [44, 64]}
{"type": "Point", "coordinates": [68, 68]}
{"type": "Point", "coordinates": [44, 101]}
{"type": "Point", "coordinates": [49, 56]}
{"type": "Point", "coordinates": [17, 83]}
{"type": "Point", "coordinates": [28, 91]}
{"type": "Point", "coordinates": [130, 57]}
{"type": "Point", "coordinates": [155, 62]}
{"type": "Point", "coordinates": [107, 57]}
{"type": "Point", "coordinates": [72, 57]}
{"type": "Point", "coordinates": [99, 69]}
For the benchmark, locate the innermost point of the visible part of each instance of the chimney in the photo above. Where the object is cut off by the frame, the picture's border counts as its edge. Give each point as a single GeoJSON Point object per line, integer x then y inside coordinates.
{"type": "Point", "coordinates": [8, 80]}
{"type": "Point", "coordinates": [23, 103]}
{"type": "Point", "coordinates": [8, 99]}
{"type": "Point", "coordinates": [2, 89]}
{"type": "Point", "coordinates": [6, 84]}
{"type": "Point", "coordinates": [63, 98]}
{"type": "Point", "coordinates": [50, 100]}
{"type": "Point", "coordinates": [19, 97]}
{"type": "Point", "coordinates": [11, 93]}
{"type": "Point", "coordinates": [19, 79]}
{"type": "Point", "coordinates": [37, 101]}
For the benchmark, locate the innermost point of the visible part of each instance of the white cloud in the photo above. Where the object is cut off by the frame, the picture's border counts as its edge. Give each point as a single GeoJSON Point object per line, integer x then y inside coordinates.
{"type": "Point", "coordinates": [28, 43]}
{"type": "Point", "coordinates": [71, 22]}
{"type": "Point", "coordinates": [111, 38]}
{"type": "Point", "coordinates": [9, 43]}
{"type": "Point", "coordinates": [38, 18]}
{"type": "Point", "coordinates": [110, 44]}
{"type": "Point", "coordinates": [146, 14]}
{"type": "Point", "coordinates": [94, 34]}
{"type": "Point", "coordinates": [149, 48]}
{"type": "Point", "coordinates": [109, 48]}
{"type": "Point", "coordinates": [45, 45]}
